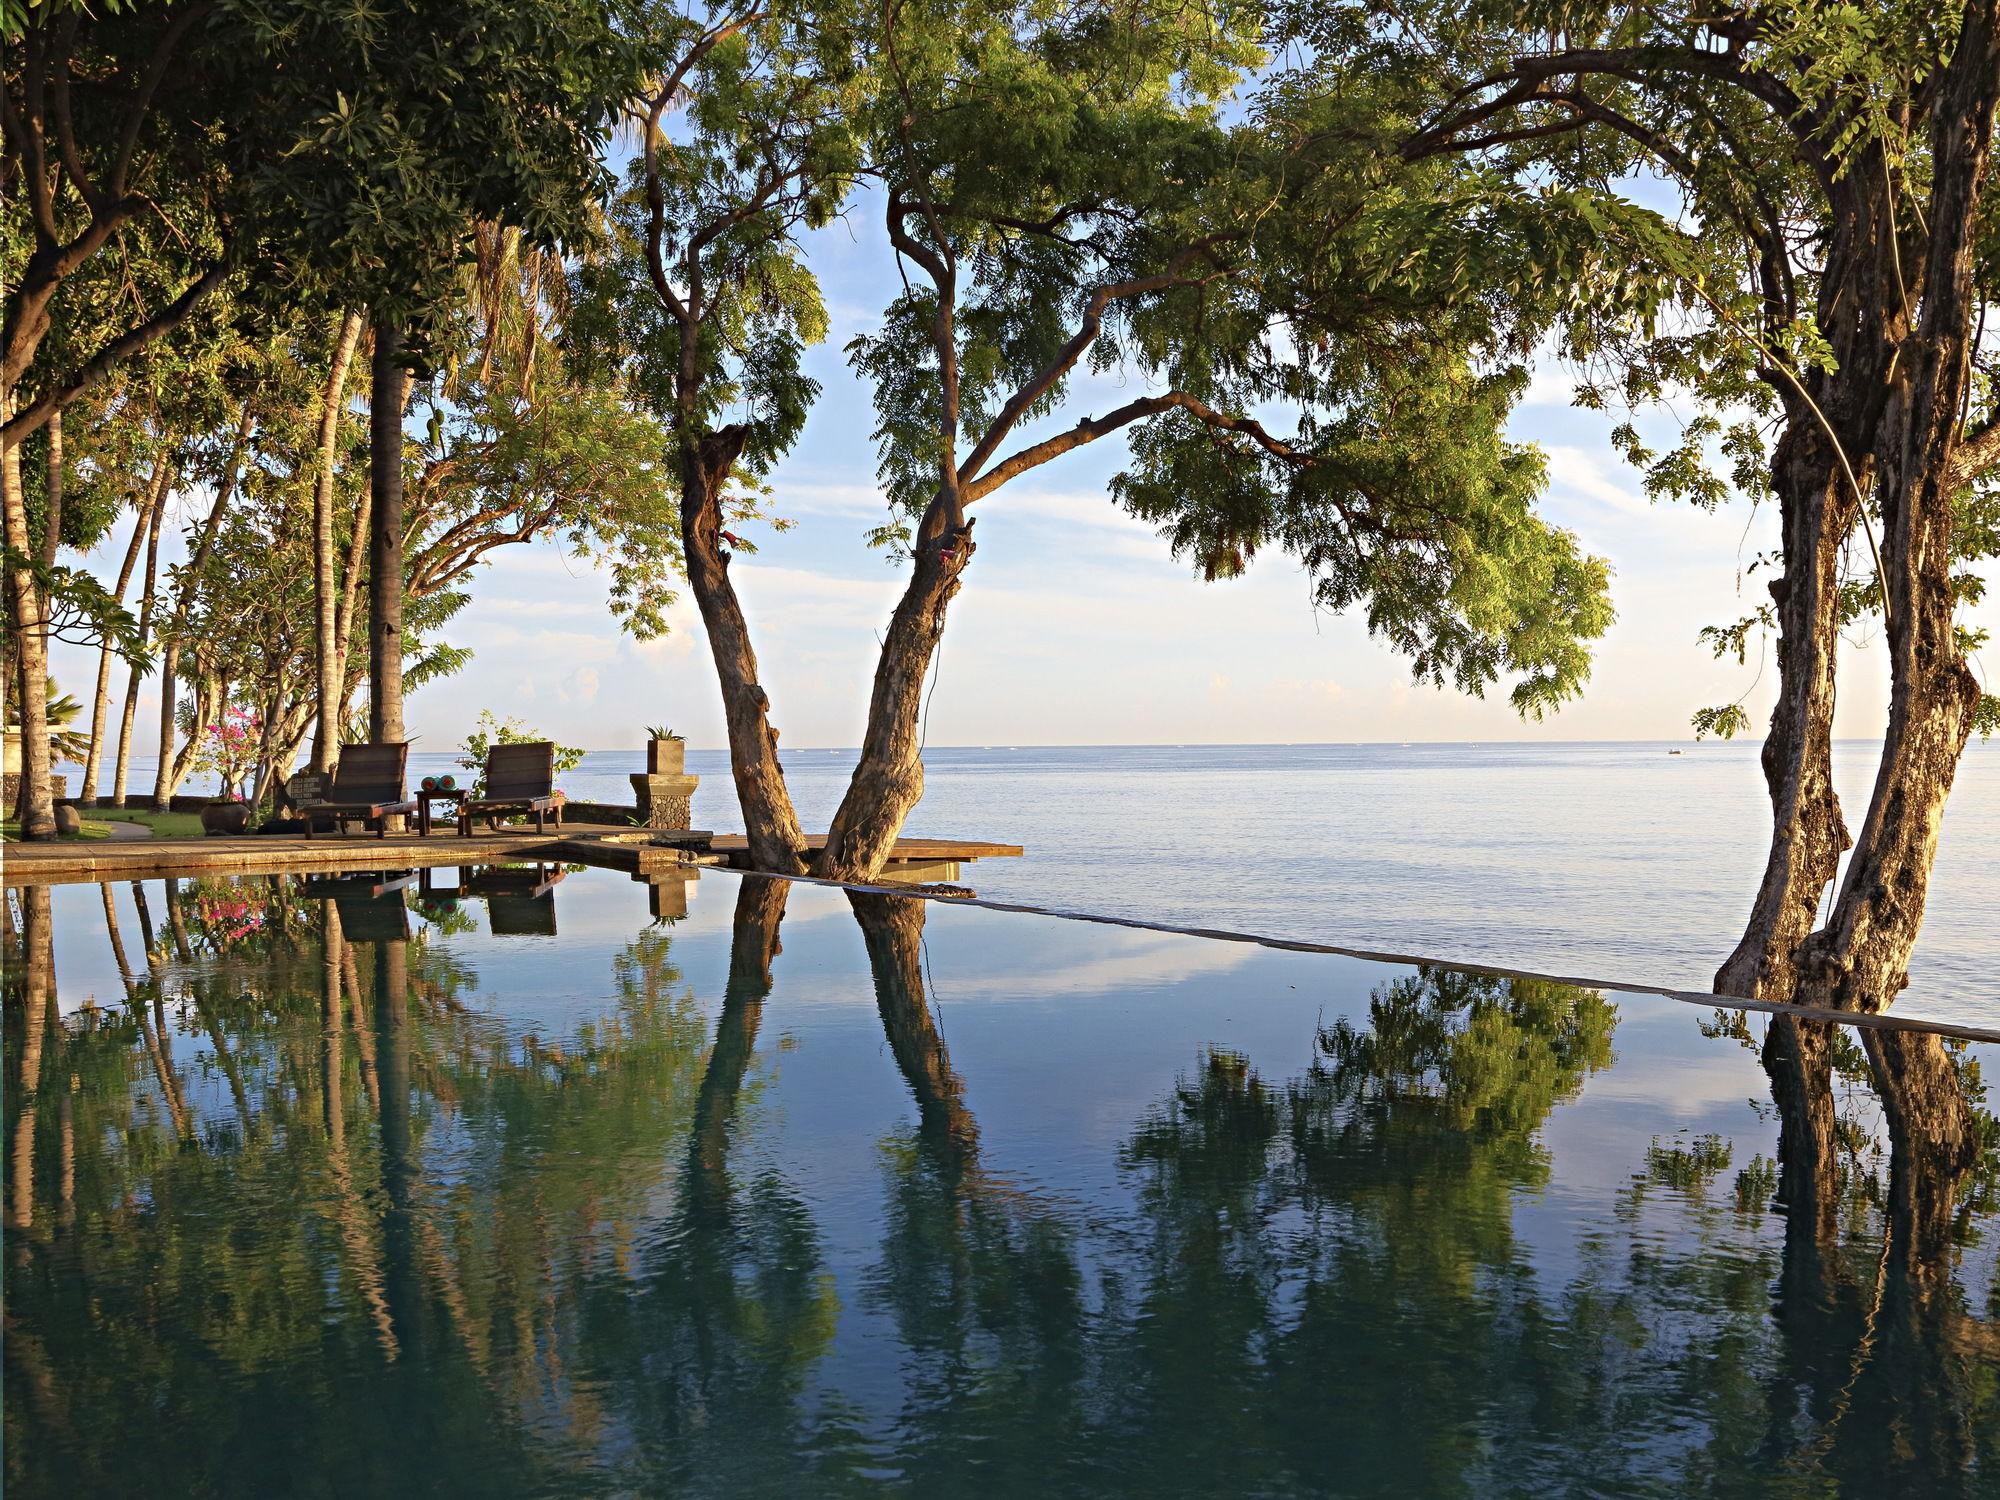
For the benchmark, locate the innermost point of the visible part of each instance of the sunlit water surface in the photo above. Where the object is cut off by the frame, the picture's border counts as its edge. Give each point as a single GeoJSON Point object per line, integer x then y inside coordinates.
{"type": "Point", "coordinates": [1617, 861]}
{"type": "Point", "coordinates": [490, 1186]}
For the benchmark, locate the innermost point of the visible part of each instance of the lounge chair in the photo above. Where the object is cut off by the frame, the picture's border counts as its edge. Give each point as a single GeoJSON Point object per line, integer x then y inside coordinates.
{"type": "Point", "coordinates": [520, 900]}
{"type": "Point", "coordinates": [367, 784]}
{"type": "Point", "coordinates": [519, 778]}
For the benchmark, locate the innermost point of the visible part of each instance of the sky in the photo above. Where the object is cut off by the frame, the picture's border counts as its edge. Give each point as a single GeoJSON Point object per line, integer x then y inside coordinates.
{"type": "Point", "coordinates": [1075, 625]}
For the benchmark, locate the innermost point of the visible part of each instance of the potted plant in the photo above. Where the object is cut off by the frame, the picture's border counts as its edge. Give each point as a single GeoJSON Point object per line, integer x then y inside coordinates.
{"type": "Point", "coordinates": [229, 749]}
{"type": "Point", "coordinates": [666, 752]}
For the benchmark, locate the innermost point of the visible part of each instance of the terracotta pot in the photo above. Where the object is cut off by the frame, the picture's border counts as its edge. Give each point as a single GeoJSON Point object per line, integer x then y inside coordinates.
{"type": "Point", "coordinates": [225, 818]}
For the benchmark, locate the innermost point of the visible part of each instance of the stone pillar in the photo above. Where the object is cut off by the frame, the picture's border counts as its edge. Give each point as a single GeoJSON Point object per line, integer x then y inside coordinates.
{"type": "Point", "coordinates": [667, 892]}
{"type": "Point", "coordinates": [665, 791]}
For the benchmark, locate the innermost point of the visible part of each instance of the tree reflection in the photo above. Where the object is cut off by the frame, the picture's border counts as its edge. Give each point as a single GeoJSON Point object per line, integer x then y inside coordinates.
{"type": "Point", "coordinates": [981, 1279]}
{"type": "Point", "coordinates": [708, 1348]}
{"type": "Point", "coordinates": [306, 1216]}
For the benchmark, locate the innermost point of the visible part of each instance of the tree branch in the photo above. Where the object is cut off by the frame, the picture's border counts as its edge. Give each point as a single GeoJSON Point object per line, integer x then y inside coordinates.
{"type": "Point", "coordinates": [1090, 429]}
{"type": "Point", "coordinates": [36, 413]}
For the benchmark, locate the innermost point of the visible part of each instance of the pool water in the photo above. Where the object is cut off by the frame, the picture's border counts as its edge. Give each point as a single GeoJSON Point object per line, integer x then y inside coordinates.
{"type": "Point", "coordinates": [560, 1182]}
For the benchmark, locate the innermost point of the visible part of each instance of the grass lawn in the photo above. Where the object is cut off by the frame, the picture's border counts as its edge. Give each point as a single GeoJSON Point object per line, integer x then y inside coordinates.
{"type": "Point", "coordinates": [172, 825]}
{"type": "Point", "coordinates": [10, 831]}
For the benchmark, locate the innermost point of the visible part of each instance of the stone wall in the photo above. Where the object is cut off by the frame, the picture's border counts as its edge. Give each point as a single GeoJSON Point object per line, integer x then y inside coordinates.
{"type": "Point", "coordinates": [612, 813]}
{"type": "Point", "coordinates": [10, 789]}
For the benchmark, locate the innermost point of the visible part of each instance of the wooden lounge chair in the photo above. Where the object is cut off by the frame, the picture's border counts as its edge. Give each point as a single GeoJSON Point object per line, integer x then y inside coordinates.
{"type": "Point", "coordinates": [520, 900]}
{"type": "Point", "coordinates": [367, 784]}
{"type": "Point", "coordinates": [519, 778]}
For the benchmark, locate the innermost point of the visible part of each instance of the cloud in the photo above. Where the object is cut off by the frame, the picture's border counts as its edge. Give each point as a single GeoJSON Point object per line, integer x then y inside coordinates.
{"type": "Point", "coordinates": [1324, 689]}
{"type": "Point", "coordinates": [1585, 474]}
{"type": "Point", "coordinates": [1549, 387]}
{"type": "Point", "coordinates": [581, 687]}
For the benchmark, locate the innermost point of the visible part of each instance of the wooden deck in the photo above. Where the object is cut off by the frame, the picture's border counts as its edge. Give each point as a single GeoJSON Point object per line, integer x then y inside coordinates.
{"type": "Point", "coordinates": [617, 849]}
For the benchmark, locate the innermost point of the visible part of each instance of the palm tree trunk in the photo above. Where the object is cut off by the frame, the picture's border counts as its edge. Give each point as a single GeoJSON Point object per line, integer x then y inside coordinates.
{"type": "Point", "coordinates": [326, 640]}
{"type": "Point", "coordinates": [145, 629]}
{"type": "Point", "coordinates": [37, 807]}
{"type": "Point", "coordinates": [385, 545]}
{"type": "Point", "coordinates": [100, 703]}
{"type": "Point", "coordinates": [52, 523]}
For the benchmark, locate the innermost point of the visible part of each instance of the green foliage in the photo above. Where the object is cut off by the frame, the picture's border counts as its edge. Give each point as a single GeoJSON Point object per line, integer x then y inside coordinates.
{"type": "Point", "coordinates": [1986, 716]}
{"type": "Point", "coordinates": [746, 141]}
{"type": "Point", "coordinates": [399, 127]}
{"type": "Point", "coordinates": [66, 741]}
{"type": "Point", "coordinates": [1724, 722]}
{"type": "Point", "coordinates": [661, 732]}
{"type": "Point", "coordinates": [492, 730]}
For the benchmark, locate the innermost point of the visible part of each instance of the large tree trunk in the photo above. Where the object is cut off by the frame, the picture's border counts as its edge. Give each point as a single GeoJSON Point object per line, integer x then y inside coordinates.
{"type": "Point", "coordinates": [1808, 834]}
{"type": "Point", "coordinates": [37, 808]}
{"type": "Point", "coordinates": [1861, 960]}
{"type": "Point", "coordinates": [1818, 476]}
{"type": "Point", "coordinates": [385, 546]}
{"type": "Point", "coordinates": [100, 703]}
{"type": "Point", "coordinates": [769, 821]}
{"type": "Point", "coordinates": [124, 763]}
{"type": "Point", "coordinates": [326, 599]}
{"type": "Point", "coordinates": [888, 778]}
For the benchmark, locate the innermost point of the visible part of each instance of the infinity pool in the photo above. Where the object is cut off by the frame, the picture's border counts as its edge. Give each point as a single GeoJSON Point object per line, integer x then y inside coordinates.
{"type": "Point", "coordinates": [545, 1182]}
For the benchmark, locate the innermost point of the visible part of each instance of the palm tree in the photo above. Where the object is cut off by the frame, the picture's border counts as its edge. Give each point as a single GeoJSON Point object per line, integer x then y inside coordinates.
{"type": "Point", "coordinates": [65, 742]}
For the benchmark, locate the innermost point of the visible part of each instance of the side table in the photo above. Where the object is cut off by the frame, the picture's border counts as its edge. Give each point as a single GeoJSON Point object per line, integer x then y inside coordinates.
{"type": "Point", "coordinates": [454, 798]}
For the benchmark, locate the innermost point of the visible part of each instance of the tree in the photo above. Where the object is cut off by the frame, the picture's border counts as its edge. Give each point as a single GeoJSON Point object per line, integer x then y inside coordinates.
{"type": "Point", "coordinates": [747, 133]}
{"type": "Point", "coordinates": [127, 231]}
{"type": "Point", "coordinates": [376, 197]}
{"type": "Point", "coordinates": [1828, 285]}
{"type": "Point", "coordinates": [1276, 268]}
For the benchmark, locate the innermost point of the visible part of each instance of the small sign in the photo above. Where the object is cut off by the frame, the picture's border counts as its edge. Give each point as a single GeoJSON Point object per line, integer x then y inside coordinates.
{"type": "Point", "coordinates": [305, 788]}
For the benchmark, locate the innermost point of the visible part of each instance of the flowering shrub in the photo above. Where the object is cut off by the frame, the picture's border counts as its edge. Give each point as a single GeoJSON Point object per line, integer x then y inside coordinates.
{"type": "Point", "coordinates": [228, 917]}
{"type": "Point", "coordinates": [229, 748]}
{"type": "Point", "coordinates": [493, 731]}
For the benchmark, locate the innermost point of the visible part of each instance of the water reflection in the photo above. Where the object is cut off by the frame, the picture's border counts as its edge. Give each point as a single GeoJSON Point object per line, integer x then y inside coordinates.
{"type": "Point", "coordinates": [306, 1214]}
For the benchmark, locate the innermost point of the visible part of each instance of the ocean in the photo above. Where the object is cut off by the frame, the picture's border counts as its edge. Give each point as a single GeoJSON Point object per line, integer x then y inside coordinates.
{"type": "Point", "coordinates": [1612, 861]}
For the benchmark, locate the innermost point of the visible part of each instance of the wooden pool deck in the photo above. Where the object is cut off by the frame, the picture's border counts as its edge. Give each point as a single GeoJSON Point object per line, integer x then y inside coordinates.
{"type": "Point", "coordinates": [618, 849]}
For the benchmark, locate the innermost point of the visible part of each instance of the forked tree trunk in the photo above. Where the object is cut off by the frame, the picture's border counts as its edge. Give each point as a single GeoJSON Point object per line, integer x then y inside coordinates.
{"type": "Point", "coordinates": [124, 762]}
{"type": "Point", "coordinates": [769, 821]}
{"type": "Point", "coordinates": [385, 548]}
{"type": "Point", "coordinates": [1816, 475]}
{"type": "Point", "coordinates": [100, 703]}
{"type": "Point", "coordinates": [1861, 960]}
{"type": "Point", "coordinates": [888, 779]}
{"type": "Point", "coordinates": [326, 599]}
{"type": "Point", "coordinates": [36, 808]}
